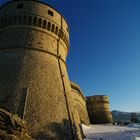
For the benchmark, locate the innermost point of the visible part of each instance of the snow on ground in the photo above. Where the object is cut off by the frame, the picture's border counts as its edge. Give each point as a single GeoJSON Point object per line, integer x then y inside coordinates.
{"type": "Point", "coordinates": [110, 132]}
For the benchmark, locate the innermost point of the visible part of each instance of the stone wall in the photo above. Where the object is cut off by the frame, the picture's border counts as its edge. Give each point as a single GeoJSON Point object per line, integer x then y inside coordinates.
{"type": "Point", "coordinates": [80, 102]}
{"type": "Point", "coordinates": [34, 83]}
{"type": "Point", "coordinates": [99, 109]}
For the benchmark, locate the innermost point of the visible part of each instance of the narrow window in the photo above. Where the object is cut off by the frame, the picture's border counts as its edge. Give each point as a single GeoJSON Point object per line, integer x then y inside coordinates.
{"type": "Point", "coordinates": [50, 12]}
{"type": "Point", "coordinates": [56, 30]}
{"type": "Point", "coordinates": [14, 20]}
{"type": "Point", "coordinates": [65, 38]}
{"type": "Point", "coordinates": [60, 33]}
{"type": "Point", "coordinates": [9, 20]}
{"type": "Point", "coordinates": [35, 21]}
{"type": "Point", "coordinates": [49, 26]}
{"type": "Point", "coordinates": [39, 22]}
{"type": "Point", "coordinates": [53, 27]}
{"type": "Point", "coordinates": [44, 24]}
{"type": "Point", "coordinates": [23, 102]}
{"type": "Point", "coordinates": [67, 29]}
{"type": "Point", "coordinates": [1, 23]}
{"type": "Point", "coordinates": [25, 20]}
{"type": "Point", "coordinates": [30, 20]}
{"type": "Point", "coordinates": [66, 41]}
{"type": "Point", "coordinates": [5, 21]}
{"type": "Point", "coordinates": [19, 19]}
{"type": "Point", "coordinates": [20, 6]}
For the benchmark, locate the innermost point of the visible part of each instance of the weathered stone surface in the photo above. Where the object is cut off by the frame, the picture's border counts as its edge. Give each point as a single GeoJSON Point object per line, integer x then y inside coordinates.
{"type": "Point", "coordinates": [34, 82]}
{"type": "Point", "coordinates": [80, 103]}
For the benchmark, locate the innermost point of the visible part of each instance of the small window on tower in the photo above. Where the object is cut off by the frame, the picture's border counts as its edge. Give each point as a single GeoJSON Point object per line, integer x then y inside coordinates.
{"type": "Point", "coordinates": [67, 29]}
{"type": "Point", "coordinates": [50, 12]}
{"type": "Point", "coordinates": [20, 6]}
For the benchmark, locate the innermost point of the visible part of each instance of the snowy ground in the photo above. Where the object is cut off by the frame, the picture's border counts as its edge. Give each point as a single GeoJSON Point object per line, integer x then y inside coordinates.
{"type": "Point", "coordinates": [110, 132]}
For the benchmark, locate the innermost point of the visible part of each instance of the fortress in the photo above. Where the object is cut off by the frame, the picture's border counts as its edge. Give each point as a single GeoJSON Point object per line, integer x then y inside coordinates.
{"type": "Point", "coordinates": [34, 82]}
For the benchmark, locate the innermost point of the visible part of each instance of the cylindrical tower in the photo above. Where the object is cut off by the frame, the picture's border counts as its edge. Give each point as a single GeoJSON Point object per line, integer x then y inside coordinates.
{"type": "Point", "coordinates": [34, 83]}
{"type": "Point", "coordinates": [80, 102]}
{"type": "Point", "coordinates": [99, 109]}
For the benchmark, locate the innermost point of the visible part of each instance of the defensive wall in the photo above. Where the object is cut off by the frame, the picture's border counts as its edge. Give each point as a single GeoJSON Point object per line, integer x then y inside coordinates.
{"type": "Point", "coordinates": [34, 83]}
{"type": "Point", "coordinates": [99, 109]}
{"type": "Point", "coordinates": [80, 102]}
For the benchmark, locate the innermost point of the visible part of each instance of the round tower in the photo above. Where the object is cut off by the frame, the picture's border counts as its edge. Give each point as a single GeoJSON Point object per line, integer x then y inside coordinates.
{"type": "Point", "coordinates": [34, 83]}
{"type": "Point", "coordinates": [99, 109]}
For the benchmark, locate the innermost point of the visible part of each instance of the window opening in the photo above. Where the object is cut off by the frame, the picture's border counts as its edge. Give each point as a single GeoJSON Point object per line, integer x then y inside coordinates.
{"type": "Point", "coordinates": [20, 6]}
{"type": "Point", "coordinates": [50, 12]}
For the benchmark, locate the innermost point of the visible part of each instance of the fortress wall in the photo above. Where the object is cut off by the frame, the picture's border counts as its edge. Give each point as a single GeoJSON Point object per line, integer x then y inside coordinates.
{"type": "Point", "coordinates": [80, 102]}
{"type": "Point", "coordinates": [34, 82]}
{"type": "Point", "coordinates": [99, 109]}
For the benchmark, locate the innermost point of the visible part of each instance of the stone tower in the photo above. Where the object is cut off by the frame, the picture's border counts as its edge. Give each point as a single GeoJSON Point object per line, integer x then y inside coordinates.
{"type": "Point", "coordinates": [99, 109]}
{"type": "Point", "coordinates": [34, 83]}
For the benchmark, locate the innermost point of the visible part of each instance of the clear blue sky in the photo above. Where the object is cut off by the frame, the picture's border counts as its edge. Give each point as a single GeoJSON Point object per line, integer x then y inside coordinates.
{"type": "Point", "coordinates": [104, 53]}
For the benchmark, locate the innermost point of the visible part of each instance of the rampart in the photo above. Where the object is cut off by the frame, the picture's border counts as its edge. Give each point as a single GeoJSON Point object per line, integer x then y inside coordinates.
{"type": "Point", "coordinates": [80, 102]}
{"type": "Point", "coordinates": [99, 109]}
{"type": "Point", "coordinates": [34, 83]}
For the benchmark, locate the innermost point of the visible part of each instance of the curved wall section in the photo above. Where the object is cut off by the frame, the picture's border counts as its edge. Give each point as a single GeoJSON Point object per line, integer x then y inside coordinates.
{"type": "Point", "coordinates": [34, 82]}
{"type": "Point", "coordinates": [99, 109]}
{"type": "Point", "coordinates": [80, 102]}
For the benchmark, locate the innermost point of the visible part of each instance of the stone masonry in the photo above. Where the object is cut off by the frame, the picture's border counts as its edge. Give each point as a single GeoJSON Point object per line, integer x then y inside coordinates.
{"type": "Point", "coordinates": [34, 83]}
{"type": "Point", "coordinates": [80, 102]}
{"type": "Point", "coordinates": [99, 109]}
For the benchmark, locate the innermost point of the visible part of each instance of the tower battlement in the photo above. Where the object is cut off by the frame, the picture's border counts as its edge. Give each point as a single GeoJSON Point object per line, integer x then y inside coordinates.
{"type": "Point", "coordinates": [103, 99]}
{"type": "Point", "coordinates": [37, 16]}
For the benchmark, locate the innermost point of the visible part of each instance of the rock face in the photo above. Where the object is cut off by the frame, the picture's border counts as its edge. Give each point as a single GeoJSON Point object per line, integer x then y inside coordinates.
{"type": "Point", "coordinates": [12, 127]}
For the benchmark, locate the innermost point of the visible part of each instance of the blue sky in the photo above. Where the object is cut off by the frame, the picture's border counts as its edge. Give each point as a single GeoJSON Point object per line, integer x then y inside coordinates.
{"type": "Point", "coordinates": [104, 55]}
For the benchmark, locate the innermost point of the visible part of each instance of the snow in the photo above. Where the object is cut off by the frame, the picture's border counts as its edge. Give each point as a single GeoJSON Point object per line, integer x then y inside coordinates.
{"type": "Point", "coordinates": [110, 132]}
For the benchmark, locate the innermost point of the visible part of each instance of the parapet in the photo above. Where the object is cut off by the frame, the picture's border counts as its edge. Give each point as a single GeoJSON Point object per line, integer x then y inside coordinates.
{"type": "Point", "coordinates": [98, 101]}
{"type": "Point", "coordinates": [34, 14]}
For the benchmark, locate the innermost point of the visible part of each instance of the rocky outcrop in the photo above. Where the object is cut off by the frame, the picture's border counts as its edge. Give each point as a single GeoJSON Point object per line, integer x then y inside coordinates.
{"type": "Point", "coordinates": [12, 127]}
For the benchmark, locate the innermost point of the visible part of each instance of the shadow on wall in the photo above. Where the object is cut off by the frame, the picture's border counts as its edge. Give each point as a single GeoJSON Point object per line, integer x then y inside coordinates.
{"type": "Point", "coordinates": [60, 131]}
